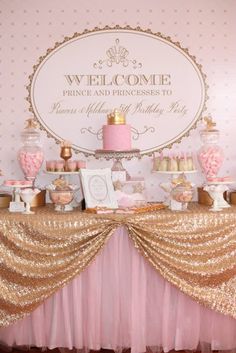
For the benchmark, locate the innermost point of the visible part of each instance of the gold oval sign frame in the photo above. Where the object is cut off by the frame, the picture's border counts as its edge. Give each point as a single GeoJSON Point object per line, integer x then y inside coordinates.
{"type": "Point", "coordinates": [119, 55]}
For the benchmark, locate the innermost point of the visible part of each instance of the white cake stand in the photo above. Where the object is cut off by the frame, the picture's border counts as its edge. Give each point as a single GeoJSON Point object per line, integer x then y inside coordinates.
{"type": "Point", "coordinates": [16, 188]}
{"type": "Point", "coordinates": [117, 157]}
{"type": "Point", "coordinates": [16, 205]}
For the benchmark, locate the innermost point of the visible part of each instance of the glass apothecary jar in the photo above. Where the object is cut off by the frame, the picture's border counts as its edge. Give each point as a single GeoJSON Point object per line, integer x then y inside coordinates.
{"type": "Point", "coordinates": [183, 194]}
{"type": "Point", "coordinates": [30, 155]}
{"type": "Point", "coordinates": [210, 155]}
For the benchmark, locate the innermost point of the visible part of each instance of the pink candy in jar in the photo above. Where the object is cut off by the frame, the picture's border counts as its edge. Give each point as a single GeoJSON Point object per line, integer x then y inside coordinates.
{"type": "Point", "coordinates": [211, 159]}
{"type": "Point", "coordinates": [30, 162]}
{"type": "Point", "coordinates": [210, 155]}
{"type": "Point", "coordinates": [30, 155]}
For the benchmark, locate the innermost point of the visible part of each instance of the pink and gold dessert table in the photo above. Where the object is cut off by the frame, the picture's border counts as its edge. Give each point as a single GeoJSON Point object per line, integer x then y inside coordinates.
{"type": "Point", "coordinates": [145, 281]}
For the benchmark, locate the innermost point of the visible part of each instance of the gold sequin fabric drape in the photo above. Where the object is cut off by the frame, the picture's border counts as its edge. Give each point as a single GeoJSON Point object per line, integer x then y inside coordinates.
{"type": "Point", "coordinates": [194, 250]}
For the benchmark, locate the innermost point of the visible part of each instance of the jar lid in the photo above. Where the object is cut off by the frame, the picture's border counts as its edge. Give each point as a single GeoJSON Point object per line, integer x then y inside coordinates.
{"type": "Point", "coordinates": [30, 132]}
{"type": "Point", "coordinates": [210, 125]}
{"type": "Point", "coordinates": [209, 132]}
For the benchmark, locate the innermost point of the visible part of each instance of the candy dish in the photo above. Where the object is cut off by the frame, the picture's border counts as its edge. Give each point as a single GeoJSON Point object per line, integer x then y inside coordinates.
{"type": "Point", "coordinates": [62, 193]}
{"type": "Point", "coordinates": [27, 196]}
{"type": "Point", "coordinates": [60, 198]}
{"type": "Point", "coordinates": [183, 195]}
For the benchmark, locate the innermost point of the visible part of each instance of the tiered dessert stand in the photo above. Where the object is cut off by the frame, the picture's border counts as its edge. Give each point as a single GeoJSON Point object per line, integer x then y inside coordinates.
{"type": "Point", "coordinates": [66, 154]}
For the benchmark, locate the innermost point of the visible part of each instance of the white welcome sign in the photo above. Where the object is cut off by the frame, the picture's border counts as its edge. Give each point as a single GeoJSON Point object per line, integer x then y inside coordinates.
{"type": "Point", "coordinates": [155, 82]}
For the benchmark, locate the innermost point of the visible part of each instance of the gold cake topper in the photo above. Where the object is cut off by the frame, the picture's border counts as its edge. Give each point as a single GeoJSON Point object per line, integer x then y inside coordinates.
{"type": "Point", "coordinates": [116, 118]}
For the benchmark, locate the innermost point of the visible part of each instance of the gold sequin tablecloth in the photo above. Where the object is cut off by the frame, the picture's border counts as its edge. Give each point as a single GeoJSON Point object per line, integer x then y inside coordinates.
{"type": "Point", "coordinates": [194, 250]}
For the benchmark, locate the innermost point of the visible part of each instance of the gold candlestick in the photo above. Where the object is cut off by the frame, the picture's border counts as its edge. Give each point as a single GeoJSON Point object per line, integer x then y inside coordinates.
{"type": "Point", "coordinates": [66, 153]}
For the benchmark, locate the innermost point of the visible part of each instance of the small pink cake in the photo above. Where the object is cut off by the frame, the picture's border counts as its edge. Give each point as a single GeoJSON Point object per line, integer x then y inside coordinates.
{"type": "Point", "coordinates": [116, 137]}
{"type": "Point", "coordinates": [116, 134]}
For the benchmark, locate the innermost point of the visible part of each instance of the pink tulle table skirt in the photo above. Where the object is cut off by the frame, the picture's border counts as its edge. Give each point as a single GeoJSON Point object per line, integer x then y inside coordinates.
{"type": "Point", "coordinates": [121, 301]}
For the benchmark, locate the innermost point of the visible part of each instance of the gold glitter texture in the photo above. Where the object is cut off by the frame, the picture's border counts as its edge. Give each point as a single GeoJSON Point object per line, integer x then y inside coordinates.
{"type": "Point", "coordinates": [194, 250]}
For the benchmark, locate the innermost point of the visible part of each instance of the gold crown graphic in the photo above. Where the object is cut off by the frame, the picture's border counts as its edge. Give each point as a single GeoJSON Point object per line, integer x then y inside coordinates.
{"type": "Point", "coordinates": [116, 118]}
{"type": "Point", "coordinates": [117, 54]}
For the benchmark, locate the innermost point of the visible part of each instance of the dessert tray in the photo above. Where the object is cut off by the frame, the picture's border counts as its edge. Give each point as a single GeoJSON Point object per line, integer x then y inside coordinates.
{"type": "Point", "coordinates": [170, 172]}
{"type": "Point", "coordinates": [62, 173]}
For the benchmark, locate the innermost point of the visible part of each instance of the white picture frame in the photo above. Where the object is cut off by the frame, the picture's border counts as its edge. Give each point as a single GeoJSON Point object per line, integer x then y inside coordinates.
{"type": "Point", "coordinates": [98, 188]}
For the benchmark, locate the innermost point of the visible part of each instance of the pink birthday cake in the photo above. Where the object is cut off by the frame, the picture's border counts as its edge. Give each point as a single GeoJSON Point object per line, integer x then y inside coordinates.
{"type": "Point", "coordinates": [116, 134]}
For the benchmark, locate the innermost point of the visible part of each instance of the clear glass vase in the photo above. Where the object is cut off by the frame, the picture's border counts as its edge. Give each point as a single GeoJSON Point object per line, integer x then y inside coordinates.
{"type": "Point", "coordinates": [210, 155]}
{"type": "Point", "coordinates": [182, 194]}
{"type": "Point", "coordinates": [30, 155]}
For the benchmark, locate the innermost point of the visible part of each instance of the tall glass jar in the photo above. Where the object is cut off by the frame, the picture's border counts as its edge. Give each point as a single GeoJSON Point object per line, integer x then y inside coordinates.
{"type": "Point", "coordinates": [30, 155]}
{"type": "Point", "coordinates": [210, 155]}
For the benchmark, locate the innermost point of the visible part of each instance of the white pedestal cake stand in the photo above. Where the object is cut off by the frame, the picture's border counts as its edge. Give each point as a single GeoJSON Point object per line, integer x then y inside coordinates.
{"type": "Point", "coordinates": [16, 205]}
{"type": "Point", "coordinates": [117, 157]}
{"type": "Point", "coordinates": [216, 191]}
